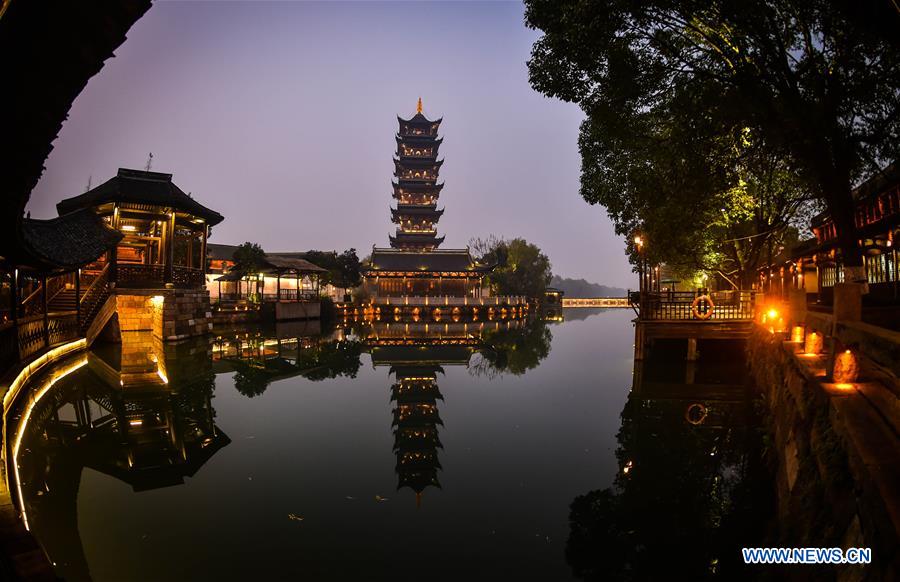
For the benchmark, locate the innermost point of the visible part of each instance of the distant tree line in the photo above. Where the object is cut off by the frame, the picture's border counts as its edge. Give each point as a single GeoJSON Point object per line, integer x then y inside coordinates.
{"type": "Point", "coordinates": [584, 288]}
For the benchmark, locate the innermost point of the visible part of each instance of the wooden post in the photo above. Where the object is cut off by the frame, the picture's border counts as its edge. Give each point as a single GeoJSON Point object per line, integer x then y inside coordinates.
{"type": "Point", "coordinates": [692, 349]}
{"type": "Point", "coordinates": [170, 249]}
{"type": "Point", "coordinates": [78, 297]}
{"type": "Point", "coordinates": [297, 276]}
{"type": "Point", "coordinates": [44, 309]}
{"type": "Point", "coordinates": [278, 287]}
{"type": "Point", "coordinates": [203, 258]}
{"type": "Point", "coordinates": [14, 295]}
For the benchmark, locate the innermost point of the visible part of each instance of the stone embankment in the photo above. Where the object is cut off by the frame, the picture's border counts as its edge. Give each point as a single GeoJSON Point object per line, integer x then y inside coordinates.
{"type": "Point", "coordinates": [836, 446]}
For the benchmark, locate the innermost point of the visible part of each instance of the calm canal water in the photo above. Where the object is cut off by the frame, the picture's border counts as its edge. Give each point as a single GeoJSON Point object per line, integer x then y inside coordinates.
{"type": "Point", "coordinates": [278, 456]}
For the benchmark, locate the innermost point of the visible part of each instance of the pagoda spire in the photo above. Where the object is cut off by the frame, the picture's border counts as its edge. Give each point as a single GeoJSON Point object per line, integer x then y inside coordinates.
{"type": "Point", "coordinates": [419, 106]}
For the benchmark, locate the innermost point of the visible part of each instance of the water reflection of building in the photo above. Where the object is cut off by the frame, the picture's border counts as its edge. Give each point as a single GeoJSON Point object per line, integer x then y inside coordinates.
{"type": "Point", "coordinates": [140, 412]}
{"type": "Point", "coordinates": [260, 356]}
{"type": "Point", "coordinates": [415, 354]}
{"type": "Point", "coordinates": [691, 487]}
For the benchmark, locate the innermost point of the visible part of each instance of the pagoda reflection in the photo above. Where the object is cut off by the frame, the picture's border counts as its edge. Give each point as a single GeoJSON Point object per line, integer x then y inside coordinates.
{"type": "Point", "coordinates": [140, 412]}
{"type": "Point", "coordinates": [416, 354]}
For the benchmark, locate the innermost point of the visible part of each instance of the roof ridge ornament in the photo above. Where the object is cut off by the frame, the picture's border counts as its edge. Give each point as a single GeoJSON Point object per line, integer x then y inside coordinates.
{"type": "Point", "coordinates": [419, 106]}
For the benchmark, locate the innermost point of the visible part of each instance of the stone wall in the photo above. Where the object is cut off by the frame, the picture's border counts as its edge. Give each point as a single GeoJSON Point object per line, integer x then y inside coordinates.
{"type": "Point", "coordinates": [837, 485]}
{"type": "Point", "coordinates": [137, 313]}
{"type": "Point", "coordinates": [170, 314]}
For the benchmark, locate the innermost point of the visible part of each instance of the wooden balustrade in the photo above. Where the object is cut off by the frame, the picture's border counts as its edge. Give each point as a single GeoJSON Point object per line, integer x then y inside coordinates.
{"type": "Point", "coordinates": [32, 337]}
{"type": "Point", "coordinates": [133, 275]}
{"type": "Point", "coordinates": [678, 305]}
{"type": "Point", "coordinates": [128, 274]}
{"type": "Point", "coordinates": [187, 277]}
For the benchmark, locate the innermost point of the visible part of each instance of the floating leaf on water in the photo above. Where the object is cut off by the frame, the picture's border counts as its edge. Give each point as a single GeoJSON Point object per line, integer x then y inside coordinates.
{"type": "Point", "coordinates": [294, 517]}
{"type": "Point", "coordinates": [380, 499]}
{"type": "Point", "coordinates": [351, 498]}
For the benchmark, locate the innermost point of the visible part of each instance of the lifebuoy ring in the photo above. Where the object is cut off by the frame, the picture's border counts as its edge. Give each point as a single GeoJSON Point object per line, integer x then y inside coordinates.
{"type": "Point", "coordinates": [696, 303]}
{"type": "Point", "coordinates": [696, 413]}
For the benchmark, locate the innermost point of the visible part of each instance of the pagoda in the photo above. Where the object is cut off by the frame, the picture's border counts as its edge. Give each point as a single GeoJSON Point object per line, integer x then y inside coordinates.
{"type": "Point", "coordinates": [416, 190]}
{"type": "Point", "coordinates": [413, 266]}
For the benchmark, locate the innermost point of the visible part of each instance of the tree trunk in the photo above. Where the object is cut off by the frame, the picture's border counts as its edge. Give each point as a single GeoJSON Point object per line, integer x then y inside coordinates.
{"type": "Point", "coordinates": [842, 210]}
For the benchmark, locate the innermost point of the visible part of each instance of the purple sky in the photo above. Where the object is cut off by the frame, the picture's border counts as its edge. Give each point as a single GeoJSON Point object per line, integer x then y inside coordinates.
{"type": "Point", "coordinates": [281, 116]}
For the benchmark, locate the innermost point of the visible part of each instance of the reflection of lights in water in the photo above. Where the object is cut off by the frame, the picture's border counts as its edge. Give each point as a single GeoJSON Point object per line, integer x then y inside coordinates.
{"type": "Point", "coordinates": [627, 468]}
{"type": "Point", "coordinates": [55, 377]}
{"type": "Point", "coordinates": [137, 422]}
{"type": "Point", "coordinates": [162, 376]}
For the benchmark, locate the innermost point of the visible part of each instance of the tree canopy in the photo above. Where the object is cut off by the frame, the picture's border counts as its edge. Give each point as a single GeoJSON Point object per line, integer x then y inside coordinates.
{"type": "Point", "coordinates": [521, 267]}
{"type": "Point", "coordinates": [249, 257]}
{"type": "Point", "coordinates": [343, 269]}
{"type": "Point", "coordinates": [699, 109]}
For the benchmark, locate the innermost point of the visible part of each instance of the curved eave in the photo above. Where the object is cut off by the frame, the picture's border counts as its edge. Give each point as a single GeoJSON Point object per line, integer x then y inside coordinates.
{"type": "Point", "coordinates": [397, 214]}
{"type": "Point", "coordinates": [68, 241]}
{"type": "Point", "coordinates": [417, 187]}
{"type": "Point", "coordinates": [140, 187]}
{"type": "Point", "coordinates": [418, 163]}
{"type": "Point", "coordinates": [419, 119]}
{"type": "Point", "coordinates": [423, 139]}
{"type": "Point", "coordinates": [416, 240]}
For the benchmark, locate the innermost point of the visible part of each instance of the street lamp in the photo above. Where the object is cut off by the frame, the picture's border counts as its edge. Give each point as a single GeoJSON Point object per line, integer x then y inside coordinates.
{"type": "Point", "coordinates": [639, 245]}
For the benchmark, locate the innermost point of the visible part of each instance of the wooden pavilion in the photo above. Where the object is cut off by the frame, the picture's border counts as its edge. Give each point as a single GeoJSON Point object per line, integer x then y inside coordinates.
{"type": "Point", "coordinates": [164, 230]}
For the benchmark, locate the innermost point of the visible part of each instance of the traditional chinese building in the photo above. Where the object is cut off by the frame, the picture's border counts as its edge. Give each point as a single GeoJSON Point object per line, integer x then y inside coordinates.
{"type": "Point", "coordinates": [416, 190]}
{"type": "Point", "coordinates": [816, 265]}
{"type": "Point", "coordinates": [414, 272]}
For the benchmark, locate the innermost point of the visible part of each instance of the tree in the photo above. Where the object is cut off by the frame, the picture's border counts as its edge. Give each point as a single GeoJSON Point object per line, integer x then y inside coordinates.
{"type": "Point", "coordinates": [521, 267]}
{"type": "Point", "coordinates": [815, 83]}
{"type": "Point", "coordinates": [249, 257]}
{"type": "Point", "coordinates": [343, 269]}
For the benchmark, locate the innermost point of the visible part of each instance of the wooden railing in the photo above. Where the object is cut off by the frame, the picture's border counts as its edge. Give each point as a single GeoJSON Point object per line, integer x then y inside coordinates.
{"type": "Point", "coordinates": [187, 277]}
{"type": "Point", "coordinates": [439, 301]}
{"type": "Point", "coordinates": [92, 298]}
{"type": "Point", "coordinates": [678, 305]}
{"type": "Point", "coordinates": [127, 273]}
{"type": "Point", "coordinates": [291, 295]}
{"type": "Point", "coordinates": [32, 337]}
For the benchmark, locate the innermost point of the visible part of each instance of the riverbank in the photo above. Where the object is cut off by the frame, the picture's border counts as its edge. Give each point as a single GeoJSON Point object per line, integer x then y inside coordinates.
{"type": "Point", "coordinates": [837, 457]}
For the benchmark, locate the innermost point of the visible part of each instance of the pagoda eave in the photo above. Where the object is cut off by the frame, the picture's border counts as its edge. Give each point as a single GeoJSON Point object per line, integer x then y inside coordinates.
{"type": "Point", "coordinates": [409, 162]}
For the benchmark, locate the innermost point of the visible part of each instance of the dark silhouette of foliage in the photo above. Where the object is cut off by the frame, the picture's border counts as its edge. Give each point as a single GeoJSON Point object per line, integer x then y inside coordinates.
{"type": "Point", "coordinates": [686, 99]}
{"type": "Point", "coordinates": [521, 267]}
{"type": "Point", "coordinates": [343, 268]}
{"type": "Point", "coordinates": [513, 351]}
{"type": "Point", "coordinates": [249, 257]}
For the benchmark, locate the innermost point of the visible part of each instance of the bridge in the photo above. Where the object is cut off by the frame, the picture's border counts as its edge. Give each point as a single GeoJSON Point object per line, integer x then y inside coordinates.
{"type": "Point", "coordinates": [596, 302]}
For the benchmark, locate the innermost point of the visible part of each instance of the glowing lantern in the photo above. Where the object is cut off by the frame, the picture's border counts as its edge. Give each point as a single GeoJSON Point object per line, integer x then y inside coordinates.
{"type": "Point", "coordinates": [846, 368]}
{"type": "Point", "coordinates": [813, 343]}
{"type": "Point", "coordinates": [797, 334]}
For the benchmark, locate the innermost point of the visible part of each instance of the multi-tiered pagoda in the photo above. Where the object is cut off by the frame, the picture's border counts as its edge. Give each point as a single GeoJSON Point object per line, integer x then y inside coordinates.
{"type": "Point", "coordinates": [414, 266]}
{"type": "Point", "coordinates": [416, 190]}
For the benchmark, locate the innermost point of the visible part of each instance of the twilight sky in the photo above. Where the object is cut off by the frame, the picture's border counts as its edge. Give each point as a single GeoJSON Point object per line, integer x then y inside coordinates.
{"type": "Point", "coordinates": [281, 116]}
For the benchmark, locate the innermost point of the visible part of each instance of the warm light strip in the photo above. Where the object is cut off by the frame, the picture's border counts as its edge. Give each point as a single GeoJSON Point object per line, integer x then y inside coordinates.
{"type": "Point", "coordinates": [23, 422]}
{"type": "Point", "coordinates": [38, 363]}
